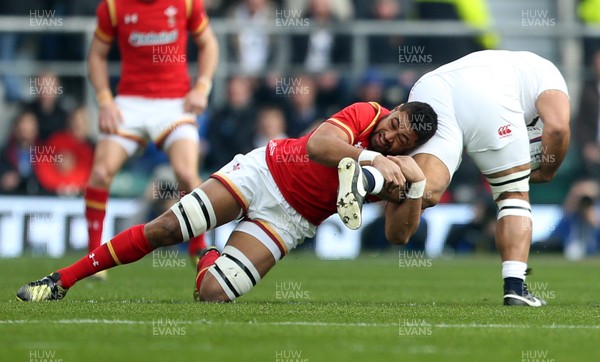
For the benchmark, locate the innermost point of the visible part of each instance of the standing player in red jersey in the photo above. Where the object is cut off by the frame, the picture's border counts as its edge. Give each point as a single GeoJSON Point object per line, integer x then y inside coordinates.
{"type": "Point", "coordinates": [155, 101]}
{"type": "Point", "coordinates": [282, 192]}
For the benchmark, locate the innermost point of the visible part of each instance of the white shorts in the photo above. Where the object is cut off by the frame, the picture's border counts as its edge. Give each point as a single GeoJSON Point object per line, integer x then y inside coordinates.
{"type": "Point", "coordinates": [484, 109]}
{"type": "Point", "coordinates": [161, 121]}
{"type": "Point", "coordinates": [268, 216]}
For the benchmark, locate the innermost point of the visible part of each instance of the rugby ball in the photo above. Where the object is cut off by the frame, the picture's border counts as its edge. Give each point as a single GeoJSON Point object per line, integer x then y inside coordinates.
{"type": "Point", "coordinates": [534, 131]}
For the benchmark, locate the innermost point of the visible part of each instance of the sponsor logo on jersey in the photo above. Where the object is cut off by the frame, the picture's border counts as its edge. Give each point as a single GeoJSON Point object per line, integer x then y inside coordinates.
{"type": "Point", "coordinates": [359, 145]}
{"type": "Point", "coordinates": [504, 131]}
{"type": "Point", "coordinates": [131, 18]}
{"type": "Point", "coordinates": [137, 39]}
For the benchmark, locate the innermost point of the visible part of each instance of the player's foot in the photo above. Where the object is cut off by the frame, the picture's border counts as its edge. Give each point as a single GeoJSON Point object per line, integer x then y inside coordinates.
{"type": "Point", "coordinates": [100, 276]}
{"type": "Point", "coordinates": [43, 289]}
{"type": "Point", "coordinates": [200, 266]}
{"type": "Point", "coordinates": [526, 299]}
{"type": "Point", "coordinates": [351, 193]}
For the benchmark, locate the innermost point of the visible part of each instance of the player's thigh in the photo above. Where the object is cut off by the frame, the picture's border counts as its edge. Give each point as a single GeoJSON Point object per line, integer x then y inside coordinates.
{"type": "Point", "coordinates": [109, 157]}
{"type": "Point", "coordinates": [499, 162]}
{"type": "Point", "coordinates": [507, 169]}
{"type": "Point", "coordinates": [184, 153]}
{"type": "Point", "coordinates": [184, 157]}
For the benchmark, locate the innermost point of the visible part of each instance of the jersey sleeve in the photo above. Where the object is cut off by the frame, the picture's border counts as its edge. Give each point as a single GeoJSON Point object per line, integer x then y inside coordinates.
{"type": "Point", "coordinates": [196, 15]}
{"type": "Point", "coordinates": [356, 119]}
{"type": "Point", "coordinates": [105, 17]}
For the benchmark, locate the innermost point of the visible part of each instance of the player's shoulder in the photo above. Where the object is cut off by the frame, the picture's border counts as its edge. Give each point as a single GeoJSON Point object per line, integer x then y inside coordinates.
{"type": "Point", "coordinates": [362, 108]}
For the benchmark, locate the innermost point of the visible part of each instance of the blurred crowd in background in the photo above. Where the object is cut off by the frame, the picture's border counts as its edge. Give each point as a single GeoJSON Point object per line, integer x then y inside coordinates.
{"type": "Point", "coordinates": [52, 121]}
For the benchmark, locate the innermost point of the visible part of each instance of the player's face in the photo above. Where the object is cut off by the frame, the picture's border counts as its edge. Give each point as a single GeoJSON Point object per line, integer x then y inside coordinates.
{"type": "Point", "coordinates": [394, 135]}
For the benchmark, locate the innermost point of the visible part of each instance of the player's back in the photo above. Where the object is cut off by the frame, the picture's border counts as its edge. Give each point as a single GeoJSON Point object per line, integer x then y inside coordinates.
{"type": "Point", "coordinates": [490, 72]}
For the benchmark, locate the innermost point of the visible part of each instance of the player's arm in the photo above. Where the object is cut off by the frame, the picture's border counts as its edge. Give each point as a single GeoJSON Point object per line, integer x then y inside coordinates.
{"type": "Point", "coordinates": [208, 57]}
{"type": "Point", "coordinates": [109, 117]}
{"type": "Point", "coordinates": [554, 110]}
{"type": "Point", "coordinates": [402, 219]}
{"type": "Point", "coordinates": [329, 144]}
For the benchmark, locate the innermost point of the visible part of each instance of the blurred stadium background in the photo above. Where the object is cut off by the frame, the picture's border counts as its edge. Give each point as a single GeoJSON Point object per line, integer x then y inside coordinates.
{"type": "Point", "coordinates": [285, 65]}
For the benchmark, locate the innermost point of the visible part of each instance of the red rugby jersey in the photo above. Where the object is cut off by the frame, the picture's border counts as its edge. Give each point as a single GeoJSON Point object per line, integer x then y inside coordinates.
{"type": "Point", "coordinates": [152, 39]}
{"type": "Point", "coordinates": [310, 187]}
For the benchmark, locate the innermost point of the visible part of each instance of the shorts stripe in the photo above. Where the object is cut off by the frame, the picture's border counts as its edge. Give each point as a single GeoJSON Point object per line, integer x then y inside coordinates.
{"type": "Point", "coordinates": [233, 190]}
{"type": "Point", "coordinates": [112, 252]}
{"type": "Point", "coordinates": [132, 137]}
{"type": "Point", "coordinates": [204, 210]}
{"type": "Point", "coordinates": [268, 229]}
{"type": "Point", "coordinates": [188, 226]}
{"type": "Point", "coordinates": [170, 128]}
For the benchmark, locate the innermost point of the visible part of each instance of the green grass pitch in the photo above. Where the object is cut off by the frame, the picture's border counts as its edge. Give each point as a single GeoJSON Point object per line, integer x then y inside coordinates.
{"type": "Point", "coordinates": [375, 308]}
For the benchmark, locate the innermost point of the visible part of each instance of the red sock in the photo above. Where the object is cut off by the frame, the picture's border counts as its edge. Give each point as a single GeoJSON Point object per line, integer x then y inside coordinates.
{"type": "Point", "coordinates": [95, 209]}
{"type": "Point", "coordinates": [205, 262]}
{"type": "Point", "coordinates": [196, 244]}
{"type": "Point", "coordinates": [129, 246]}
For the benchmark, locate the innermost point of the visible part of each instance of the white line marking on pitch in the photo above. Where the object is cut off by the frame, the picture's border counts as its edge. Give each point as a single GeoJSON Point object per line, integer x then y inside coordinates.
{"type": "Point", "coordinates": [300, 323]}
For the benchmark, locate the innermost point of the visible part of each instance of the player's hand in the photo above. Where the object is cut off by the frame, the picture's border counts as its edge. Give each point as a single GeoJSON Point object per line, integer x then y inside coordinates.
{"type": "Point", "coordinates": [195, 101]}
{"type": "Point", "coordinates": [110, 118]}
{"type": "Point", "coordinates": [391, 172]}
{"type": "Point", "coordinates": [411, 171]}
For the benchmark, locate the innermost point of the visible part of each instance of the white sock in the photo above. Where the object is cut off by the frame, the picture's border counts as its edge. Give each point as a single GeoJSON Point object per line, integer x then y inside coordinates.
{"type": "Point", "coordinates": [513, 269]}
{"type": "Point", "coordinates": [379, 180]}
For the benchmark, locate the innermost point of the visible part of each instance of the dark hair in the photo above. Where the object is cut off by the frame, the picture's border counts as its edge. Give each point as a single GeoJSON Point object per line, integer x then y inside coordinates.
{"type": "Point", "coordinates": [422, 119]}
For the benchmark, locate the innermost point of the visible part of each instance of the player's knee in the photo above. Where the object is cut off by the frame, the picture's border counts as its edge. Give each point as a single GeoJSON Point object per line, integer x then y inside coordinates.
{"type": "Point", "coordinates": [211, 291]}
{"type": "Point", "coordinates": [188, 179]}
{"type": "Point", "coordinates": [101, 176]}
{"type": "Point", "coordinates": [232, 275]}
{"type": "Point", "coordinates": [513, 204]}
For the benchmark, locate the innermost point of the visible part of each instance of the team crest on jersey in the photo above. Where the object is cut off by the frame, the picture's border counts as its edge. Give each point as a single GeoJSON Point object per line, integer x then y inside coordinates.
{"type": "Point", "coordinates": [131, 18]}
{"type": "Point", "coordinates": [170, 12]}
{"type": "Point", "coordinates": [504, 131]}
{"type": "Point", "coordinates": [359, 145]}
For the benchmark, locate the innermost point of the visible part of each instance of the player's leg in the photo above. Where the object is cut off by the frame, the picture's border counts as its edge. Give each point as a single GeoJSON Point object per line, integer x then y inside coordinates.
{"type": "Point", "coordinates": [182, 146]}
{"type": "Point", "coordinates": [510, 189]}
{"type": "Point", "coordinates": [205, 208]}
{"type": "Point", "coordinates": [226, 276]}
{"type": "Point", "coordinates": [111, 153]}
{"type": "Point", "coordinates": [109, 156]}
